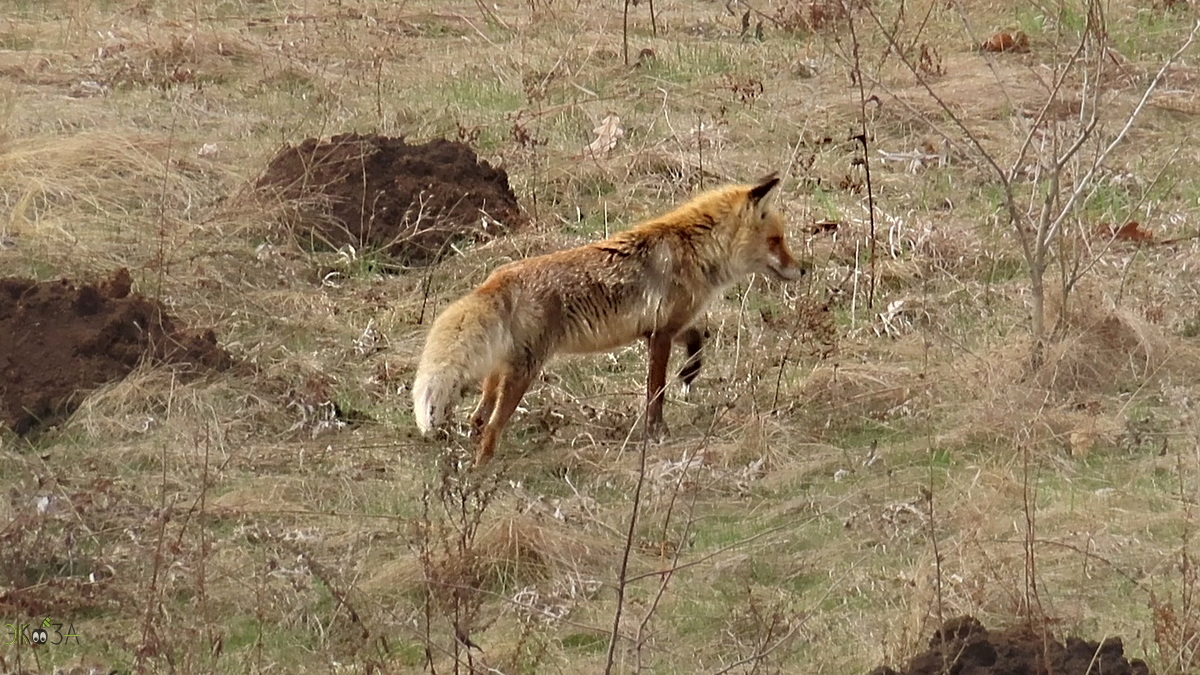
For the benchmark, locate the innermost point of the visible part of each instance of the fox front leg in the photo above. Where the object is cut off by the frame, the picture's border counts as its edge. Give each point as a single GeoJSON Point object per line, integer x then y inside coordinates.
{"type": "Point", "coordinates": [656, 381]}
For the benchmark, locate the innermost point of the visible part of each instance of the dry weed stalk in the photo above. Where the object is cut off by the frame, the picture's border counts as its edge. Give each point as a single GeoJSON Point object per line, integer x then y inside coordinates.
{"type": "Point", "coordinates": [862, 137]}
{"type": "Point", "coordinates": [762, 628]}
{"type": "Point", "coordinates": [1031, 599]}
{"type": "Point", "coordinates": [160, 255]}
{"type": "Point", "coordinates": [625, 26]}
{"type": "Point", "coordinates": [767, 627]}
{"type": "Point", "coordinates": [677, 549]}
{"type": "Point", "coordinates": [1176, 617]}
{"type": "Point", "coordinates": [454, 572]}
{"type": "Point", "coordinates": [626, 552]}
{"type": "Point", "coordinates": [150, 644]}
{"type": "Point", "coordinates": [1054, 170]}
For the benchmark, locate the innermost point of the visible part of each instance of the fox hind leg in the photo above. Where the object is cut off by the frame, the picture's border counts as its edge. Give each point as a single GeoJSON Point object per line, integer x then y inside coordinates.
{"type": "Point", "coordinates": [512, 386]}
{"type": "Point", "coordinates": [693, 341]}
{"type": "Point", "coordinates": [487, 402]}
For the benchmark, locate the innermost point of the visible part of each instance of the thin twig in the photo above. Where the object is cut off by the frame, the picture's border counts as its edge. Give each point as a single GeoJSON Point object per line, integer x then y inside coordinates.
{"type": "Point", "coordinates": [1029, 509]}
{"type": "Point", "coordinates": [626, 553]}
{"type": "Point", "coordinates": [763, 653]}
{"type": "Point", "coordinates": [1129, 120]}
{"type": "Point", "coordinates": [669, 573]}
{"type": "Point", "coordinates": [490, 16]}
{"type": "Point", "coordinates": [862, 138]}
{"type": "Point", "coordinates": [753, 10]}
{"type": "Point", "coordinates": [709, 556]}
{"type": "Point", "coordinates": [145, 646]}
{"type": "Point", "coordinates": [160, 257]}
{"type": "Point", "coordinates": [625, 33]}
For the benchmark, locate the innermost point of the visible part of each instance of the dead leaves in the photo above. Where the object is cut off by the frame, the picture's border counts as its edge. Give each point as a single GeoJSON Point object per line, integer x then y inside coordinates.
{"type": "Point", "coordinates": [929, 60]}
{"type": "Point", "coordinates": [1017, 42]}
{"type": "Point", "coordinates": [746, 89]}
{"type": "Point", "coordinates": [608, 132]}
{"type": "Point", "coordinates": [1133, 232]}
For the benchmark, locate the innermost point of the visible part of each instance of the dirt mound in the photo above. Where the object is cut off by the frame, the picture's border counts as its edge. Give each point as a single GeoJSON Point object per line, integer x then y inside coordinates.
{"type": "Point", "coordinates": [381, 193]}
{"type": "Point", "coordinates": [964, 647]}
{"type": "Point", "coordinates": [57, 339]}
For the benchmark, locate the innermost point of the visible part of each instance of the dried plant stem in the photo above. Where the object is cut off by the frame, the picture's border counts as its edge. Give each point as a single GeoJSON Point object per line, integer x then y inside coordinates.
{"type": "Point", "coordinates": [862, 137]}
{"type": "Point", "coordinates": [933, 542]}
{"type": "Point", "coordinates": [669, 573]}
{"type": "Point", "coordinates": [1029, 510]}
{"type": "Point", "coordinates": [147, 645]}
{"type": "Point", "coordinates": [622, 574]}
{"type": "Point", "coordinates": [160, 255]}
{"type": "Point", "coordinates": [625, 32]}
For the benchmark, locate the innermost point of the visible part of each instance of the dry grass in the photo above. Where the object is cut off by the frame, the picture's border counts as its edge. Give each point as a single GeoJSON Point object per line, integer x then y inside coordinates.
{"type": "Point", "coordinates": [285, 517]}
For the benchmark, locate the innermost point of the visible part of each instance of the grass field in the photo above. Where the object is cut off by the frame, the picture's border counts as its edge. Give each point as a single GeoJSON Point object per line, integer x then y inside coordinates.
{"type": "Point", "coordinates": [868, 451]}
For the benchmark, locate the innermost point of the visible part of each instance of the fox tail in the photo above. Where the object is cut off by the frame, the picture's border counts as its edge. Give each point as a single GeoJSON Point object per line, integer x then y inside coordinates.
{"type": "Point", "coordinates": [464, 344]}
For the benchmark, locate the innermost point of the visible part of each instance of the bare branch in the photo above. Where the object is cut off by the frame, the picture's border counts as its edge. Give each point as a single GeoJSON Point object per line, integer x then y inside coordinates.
{"type": "Point", "coordinates": [627, 552]}
{"type": "Point", "coordinates": [1040, 119]}
{"type": "Point", "coordinates": [1083, 183]}
{"type": "Point", "coordinates": [984, 156]}
{"type": "Point", "coordinates": [912, 68]}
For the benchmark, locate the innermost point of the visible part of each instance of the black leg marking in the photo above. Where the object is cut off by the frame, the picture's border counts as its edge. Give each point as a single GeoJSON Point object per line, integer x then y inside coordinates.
{"type": "Point", "coordinates": [693, 341]}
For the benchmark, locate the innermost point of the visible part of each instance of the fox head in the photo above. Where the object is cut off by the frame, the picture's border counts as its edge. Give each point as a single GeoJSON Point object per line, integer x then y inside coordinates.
{"type": "Point", "coordinates": [760, 246]}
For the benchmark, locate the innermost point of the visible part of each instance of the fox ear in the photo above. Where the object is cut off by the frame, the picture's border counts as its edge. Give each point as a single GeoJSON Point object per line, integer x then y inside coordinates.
{"type": "Point", "coordinates": [764, 187]}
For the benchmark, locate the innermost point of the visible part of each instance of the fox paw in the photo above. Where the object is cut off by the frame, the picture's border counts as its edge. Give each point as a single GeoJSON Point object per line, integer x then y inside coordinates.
{"type": "Point", "coordinates": [438, 433]}
{"type": "Point", "coordinates": [657, 431]}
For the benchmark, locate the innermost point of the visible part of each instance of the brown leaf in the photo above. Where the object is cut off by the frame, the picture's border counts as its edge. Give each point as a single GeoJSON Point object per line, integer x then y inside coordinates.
{"type": "Point", "coordinates": [1131, 231]}
{"type": "Point", "coordinates": [1006, 42]}
{"type": "Point", "coordinates": [607, 134]}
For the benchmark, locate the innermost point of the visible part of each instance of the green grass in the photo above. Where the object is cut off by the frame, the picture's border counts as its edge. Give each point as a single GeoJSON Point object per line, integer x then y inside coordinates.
{"type": "Point", "coordinates": [586, 643]}
{"type": "Point", "coordinates": [1150, 33]}
{"type": "Point", "coordinates": [1031, 20]}
{"type": "Point", "coordinates": [688, 64]}
{"type": "Point", "coordinates": [15, 41]}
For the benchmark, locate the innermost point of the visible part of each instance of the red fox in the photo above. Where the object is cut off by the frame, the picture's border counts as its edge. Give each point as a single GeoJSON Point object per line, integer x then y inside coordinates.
{"type": "Point", "coordinates": [651, 281]}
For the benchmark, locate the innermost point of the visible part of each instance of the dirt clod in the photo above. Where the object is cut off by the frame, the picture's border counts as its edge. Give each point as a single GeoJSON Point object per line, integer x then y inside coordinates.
{"type": "Point", "coordinates": [962, 646]}
{"type": "Point", "coordinates": [381, 193]}
{"type": "Point", "coordinates": [59, 339]}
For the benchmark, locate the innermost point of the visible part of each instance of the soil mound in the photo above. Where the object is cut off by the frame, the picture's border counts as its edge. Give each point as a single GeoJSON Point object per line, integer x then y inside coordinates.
{"type": "Point", "coordinates": [964, 647]}
{"type": "Point", "coordinates": [380, 193]}
{"type": "Point", "coordinates": [58, 339]}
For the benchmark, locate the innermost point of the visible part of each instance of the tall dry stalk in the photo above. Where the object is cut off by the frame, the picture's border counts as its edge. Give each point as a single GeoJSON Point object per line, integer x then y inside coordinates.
{"type": "Point", "coordinates": [626, 552]}
{"type": "Point", "coordinates": [863, 137]}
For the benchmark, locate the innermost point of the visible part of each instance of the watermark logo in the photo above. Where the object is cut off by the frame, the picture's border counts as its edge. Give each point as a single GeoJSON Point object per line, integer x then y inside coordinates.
{"type": "Point", "coordinates": [48, 632]}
